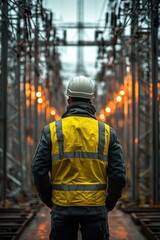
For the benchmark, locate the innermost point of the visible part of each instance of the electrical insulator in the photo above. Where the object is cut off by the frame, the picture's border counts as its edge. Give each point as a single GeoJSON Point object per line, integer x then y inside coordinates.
{"type": "Point", "coordinates": [96, 35]}
{"type": "Point", "coordinates": [106, 17]}
{"type": "Point", "coordinates": [54, 32]}
{"type": "Point", "coordinates": [119, 13]}
{"type": "Point", "coordinates": [113, 19]}
{"type": "Point", "coordinates": [64, 34]}
{"type": "Point", "coordinates": [51, 16]}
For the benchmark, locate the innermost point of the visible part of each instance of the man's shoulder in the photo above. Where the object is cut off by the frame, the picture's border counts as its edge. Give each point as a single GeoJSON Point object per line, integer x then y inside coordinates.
{"type": "Point", "coordinates": [46, 130]}
{"type": "Point", "coordinates": [113, 131]}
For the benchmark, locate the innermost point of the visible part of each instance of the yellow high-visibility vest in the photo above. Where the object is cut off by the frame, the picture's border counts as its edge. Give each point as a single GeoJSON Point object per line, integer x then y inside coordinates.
{"type": "Point", "coordinates": [79, 161]}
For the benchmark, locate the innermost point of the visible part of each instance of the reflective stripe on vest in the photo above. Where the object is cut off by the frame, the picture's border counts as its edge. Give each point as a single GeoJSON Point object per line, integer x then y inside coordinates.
{"type": "Point", "coordinates": [62, 154]}
{"type": "Point", "coordinates": [60, 138]}
{"type": "Point", "coordinates": [79, 187]}
{"type": "Point", "coordinates": [91, 155]}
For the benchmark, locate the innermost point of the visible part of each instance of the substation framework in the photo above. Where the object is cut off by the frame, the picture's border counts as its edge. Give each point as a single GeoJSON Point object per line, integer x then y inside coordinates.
{"type": "Point", "coordinates": [31, 90]}
{"type": "Point", "coordinates": [135, 66]}
{"type": "Point", "coordinates": [129, 55]}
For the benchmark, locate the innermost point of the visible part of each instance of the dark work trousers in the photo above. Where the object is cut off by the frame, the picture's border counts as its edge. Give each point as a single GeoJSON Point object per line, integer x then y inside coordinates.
{"type": "Point", "coordinates": [65, 225]}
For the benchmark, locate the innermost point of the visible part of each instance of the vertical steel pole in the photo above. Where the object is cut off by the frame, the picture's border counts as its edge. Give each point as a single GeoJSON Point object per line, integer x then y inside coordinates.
{"type": "Point", "coordinates": [155, 117]}
{"type": "Point", "coordinates": [134, 166]}
{"type": "Point", "coordinates": [36, 75]}
{"type": "Point", "coordinates": [4, 71]}
{"type": "Point", "coordinates": [80, 19]}
{"type": "Point", "coordinates": [24, 134]}
{"type": "Point", "coordinates": [18, 80]}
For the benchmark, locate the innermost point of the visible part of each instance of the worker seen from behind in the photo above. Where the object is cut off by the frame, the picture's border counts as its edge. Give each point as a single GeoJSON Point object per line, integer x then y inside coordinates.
{"type": "Point", "coordinates": [78, 168]}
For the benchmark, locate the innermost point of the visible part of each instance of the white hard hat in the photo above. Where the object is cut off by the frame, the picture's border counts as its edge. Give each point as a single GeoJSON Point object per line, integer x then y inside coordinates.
{"type": "Point", "coordinates": [80, 87]}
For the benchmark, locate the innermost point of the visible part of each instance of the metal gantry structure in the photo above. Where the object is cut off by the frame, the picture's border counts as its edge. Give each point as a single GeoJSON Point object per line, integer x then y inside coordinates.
{"type": "Point", "coordinates": [135, 67]}
{"type": "Point", "coordinates": [30, 85]}
{"type": "Point", "coordinates": [32, 94]}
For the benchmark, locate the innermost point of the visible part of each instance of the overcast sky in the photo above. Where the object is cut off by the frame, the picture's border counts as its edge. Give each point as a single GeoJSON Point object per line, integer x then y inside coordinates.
{"type": "Point", "coordinates": [66, 11]}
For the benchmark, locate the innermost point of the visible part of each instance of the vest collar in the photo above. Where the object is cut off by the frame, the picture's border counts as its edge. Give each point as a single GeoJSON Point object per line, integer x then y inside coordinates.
{"type": "Point", "coordinates": [80, 108]}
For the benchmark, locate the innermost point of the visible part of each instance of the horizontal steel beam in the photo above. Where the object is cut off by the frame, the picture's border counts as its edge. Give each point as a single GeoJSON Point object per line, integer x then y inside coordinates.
{"type": "Point", "coordinates": [74, 44]}
{"type": "Point", "coordinates": [76, 25]}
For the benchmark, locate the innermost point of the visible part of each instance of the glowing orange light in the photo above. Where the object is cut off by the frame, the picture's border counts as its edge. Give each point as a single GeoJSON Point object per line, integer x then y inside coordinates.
{"type": "Point", "coordinates": [28, 92]}
{"type": "Point", "coordinates": [27, 102]}
{"type": "Point", "coordinates": [33, 95]}
{"type": "Point", "coordinates": [108, 109]}
{"type": "Point", "coordinates": [136, 140]}
{"type": "Point", "coordinates": [38, 94]}
{"type": "Point", "coordinates": [121, 92]}
{"type": "Point", "coordinates": [53, 112]}
{"type": "Point", "coordinates": [102, 117]}
{"type": "Point", "coordinates": [40, 100]}
{"type": "Point", "coordinates": [32, 87]}
{"type": "Point", "coordinates": [118, 98]}
{"type": "Point", "coordinates": [30, 140]}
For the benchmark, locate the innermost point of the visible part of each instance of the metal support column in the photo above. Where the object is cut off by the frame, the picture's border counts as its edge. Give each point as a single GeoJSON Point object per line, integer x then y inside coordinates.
{"type": "Point", "coordinates": [134, 166]}
{"type": "Point", "coordinates": [18, 79]}
{"type": "Point", "coordinates": [80, 19]}
{"type": "Point", "coordinates": [134, 132]}
{"type": "Point", "coordinates": [36, 79]}
{"type": "Point", "coordinates": [155, 113]}
{"type": "Point", "coordinates": [3, 86]}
